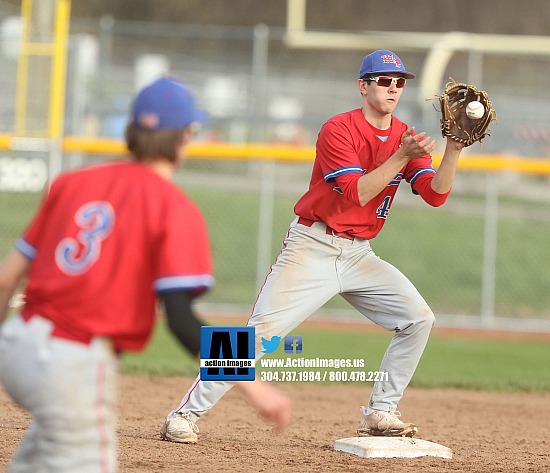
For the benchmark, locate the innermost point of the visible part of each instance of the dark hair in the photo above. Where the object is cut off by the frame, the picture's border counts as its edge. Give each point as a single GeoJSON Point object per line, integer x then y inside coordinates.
{"type": "Point", "coordinates": [149, 145]}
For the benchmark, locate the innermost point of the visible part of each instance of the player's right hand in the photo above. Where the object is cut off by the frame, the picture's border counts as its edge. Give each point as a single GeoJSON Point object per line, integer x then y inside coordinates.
{"type": "Point", "coordinates": [277, 410]}
{"type": "Point", "coordinates": [272, 404]}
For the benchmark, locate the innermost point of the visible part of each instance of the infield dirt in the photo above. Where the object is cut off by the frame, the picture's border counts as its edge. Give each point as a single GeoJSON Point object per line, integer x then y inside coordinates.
{"type": "Point", "coordinates": [488, 432]}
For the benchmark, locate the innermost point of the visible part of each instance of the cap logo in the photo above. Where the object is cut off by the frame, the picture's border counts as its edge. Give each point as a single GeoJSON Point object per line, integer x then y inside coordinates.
{"type": "Point", "coordinates": [391, 59]}
{"type": "Point", "coordinates": [148, 120]}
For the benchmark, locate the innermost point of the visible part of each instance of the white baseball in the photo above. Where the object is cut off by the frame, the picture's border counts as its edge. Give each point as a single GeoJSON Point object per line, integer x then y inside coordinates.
{"type": "Point", "coordinates": [475, 110]}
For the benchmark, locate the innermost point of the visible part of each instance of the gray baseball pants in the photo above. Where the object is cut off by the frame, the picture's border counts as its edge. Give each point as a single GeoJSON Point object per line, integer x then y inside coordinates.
{"type": "Point", "coordinates": [70, 390]}
{"type": "Point", "coordinates": [314, 266]}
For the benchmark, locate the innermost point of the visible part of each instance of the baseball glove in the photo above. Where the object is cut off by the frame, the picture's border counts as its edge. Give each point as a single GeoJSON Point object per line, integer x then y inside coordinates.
{"type": "Point", "coordinates": [455, 123]}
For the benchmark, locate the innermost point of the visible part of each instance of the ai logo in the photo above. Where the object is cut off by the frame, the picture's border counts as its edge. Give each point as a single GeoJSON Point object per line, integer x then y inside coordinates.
{"type": "Point", "coordinates": [227, 354]}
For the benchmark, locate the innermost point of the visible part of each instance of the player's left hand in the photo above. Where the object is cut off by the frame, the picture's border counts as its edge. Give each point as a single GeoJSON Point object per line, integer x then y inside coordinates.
{"type": "Point", "coordinates": [455, 121]}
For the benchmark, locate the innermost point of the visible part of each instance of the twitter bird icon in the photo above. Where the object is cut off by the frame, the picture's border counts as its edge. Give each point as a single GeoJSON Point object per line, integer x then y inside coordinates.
{"type": "Point", "coordinates": [270, 345]}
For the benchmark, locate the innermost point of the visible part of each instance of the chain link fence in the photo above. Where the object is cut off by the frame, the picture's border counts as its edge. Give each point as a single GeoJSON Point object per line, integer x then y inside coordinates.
{"type": "Point", "coordinates": [478, 260]}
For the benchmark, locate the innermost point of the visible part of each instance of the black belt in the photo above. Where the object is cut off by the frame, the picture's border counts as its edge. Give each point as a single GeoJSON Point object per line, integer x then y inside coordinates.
{"type": "Point", "coordinates": [329, 231]}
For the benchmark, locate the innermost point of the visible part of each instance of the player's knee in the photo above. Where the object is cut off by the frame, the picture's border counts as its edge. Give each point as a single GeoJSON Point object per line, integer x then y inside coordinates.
{"type": "Point", "coordinates": [422, 320]}
{"type": "Point", "coordinates": [426, 318]}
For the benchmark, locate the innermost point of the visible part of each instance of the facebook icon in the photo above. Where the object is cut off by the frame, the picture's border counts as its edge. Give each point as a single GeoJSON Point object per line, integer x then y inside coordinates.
{"type": "Point", "coordinates": [293, 344]}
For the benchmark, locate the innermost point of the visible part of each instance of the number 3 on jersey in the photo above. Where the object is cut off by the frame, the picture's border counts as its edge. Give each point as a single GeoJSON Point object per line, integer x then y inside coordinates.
{"type": "Point", "coordinates": [76, 255]}
{"type": "Point", "coordinates": [384, 208]}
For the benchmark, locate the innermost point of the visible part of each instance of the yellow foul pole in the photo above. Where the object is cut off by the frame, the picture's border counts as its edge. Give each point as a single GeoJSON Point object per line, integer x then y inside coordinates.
{"type": "Point", "coordinates": [59, 68]}
{"type": "Point", "coordinates": [23, 71]}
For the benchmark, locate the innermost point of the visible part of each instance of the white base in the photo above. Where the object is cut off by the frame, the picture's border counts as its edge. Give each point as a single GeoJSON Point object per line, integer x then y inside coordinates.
{"type": "Point", "coordinates": [391, 447]}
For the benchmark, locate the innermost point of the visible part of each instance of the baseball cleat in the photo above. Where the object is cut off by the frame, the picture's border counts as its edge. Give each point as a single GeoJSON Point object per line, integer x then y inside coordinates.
{"type": "Point", "coordinates": [178, 427]}
{"type": "Point", "coordinates": [384, 424]}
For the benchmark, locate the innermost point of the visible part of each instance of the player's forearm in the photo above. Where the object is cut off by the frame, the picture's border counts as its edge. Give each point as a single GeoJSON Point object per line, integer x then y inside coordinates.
{"type": "Point", "coordinates": [371, 184]}
{"type": "Point", "coordinates": [445, 175]}
{"type": "Point", "coordinates": [182, 321]}
{"type": "Point", "coordinates": [272, 404]}
{"type": "Point", "coordinates": [4, 304]}
{"type": "Point", "coordinates": [12, 271]}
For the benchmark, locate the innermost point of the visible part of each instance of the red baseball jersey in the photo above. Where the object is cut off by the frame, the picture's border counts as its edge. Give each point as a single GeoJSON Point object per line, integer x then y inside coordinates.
{"type": "Point", "coordinates": [104, 242]}
{"type": "Point", "coordinates": [348, 147]}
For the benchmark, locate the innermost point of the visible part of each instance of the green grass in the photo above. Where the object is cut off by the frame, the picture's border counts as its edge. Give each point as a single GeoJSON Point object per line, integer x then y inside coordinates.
{"type": "Point", "coordinates": [440, 250]}
{"type": "Point", "coordinates": [442, 254]}
{"type": "Point", "coordinates": [447, 362]}
{"type": "Point", "coordinates": [164, 356]}
{"type": "Point", "coordinates": [16, 209]}
{"type": "Point", "coordinates": [485, 365]}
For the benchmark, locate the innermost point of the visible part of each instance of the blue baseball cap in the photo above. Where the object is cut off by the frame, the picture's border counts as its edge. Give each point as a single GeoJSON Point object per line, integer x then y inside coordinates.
{"type": "Point", "coordinates": [383, 61]}
{"type": "Point", "coordinates": [166, 104]}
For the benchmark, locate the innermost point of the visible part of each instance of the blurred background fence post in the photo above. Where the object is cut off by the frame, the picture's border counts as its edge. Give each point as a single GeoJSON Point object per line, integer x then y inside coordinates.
{"type": "Point", "coordinates": [490, 233]}
{"type": "Point", "coordinates": [260, 58]}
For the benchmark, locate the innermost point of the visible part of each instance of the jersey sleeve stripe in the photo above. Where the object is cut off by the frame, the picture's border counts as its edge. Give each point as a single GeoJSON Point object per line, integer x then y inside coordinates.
{"type": "Point", "coordinates": [419, 173]}
{"type": "Point", "coordinates": [183, 282]}
{"type": "Point", "coordinates": [330, 176]}
{"type": "Point", "coordinates": [25, 248]}
{"type": "Point", "coordinates": [396, 180]}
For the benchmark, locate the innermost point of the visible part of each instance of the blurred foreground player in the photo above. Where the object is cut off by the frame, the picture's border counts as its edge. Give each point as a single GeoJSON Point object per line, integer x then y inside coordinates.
{"type": "Point", "coordinates": [106, 241]}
